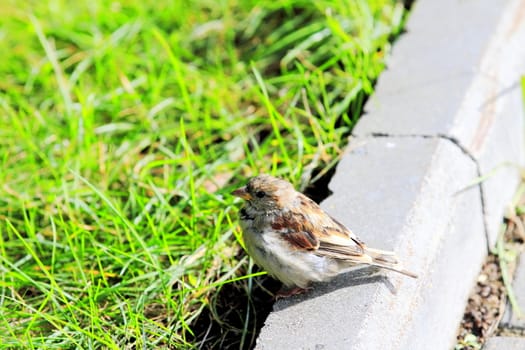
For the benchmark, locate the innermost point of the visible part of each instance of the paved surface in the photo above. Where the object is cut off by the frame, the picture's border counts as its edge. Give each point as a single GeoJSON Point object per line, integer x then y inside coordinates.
{"type": "Point", "coordinates": [446, 112]}
{"type": "Point", "coordinates": [460, 81]}
{"type": "Point", "coordinates": [505, 343]}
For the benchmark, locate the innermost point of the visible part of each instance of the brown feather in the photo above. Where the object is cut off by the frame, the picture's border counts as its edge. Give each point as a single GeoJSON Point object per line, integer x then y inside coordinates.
{"type": "Point", "coordinates": [336, 251]}
{"type": "Point", "coordinates": [314, 230]}
{"type": "Point", "coordinates": [302, 240]}
{"type": "Point", "coordinates": [300, 225]}
{"type": "Point", "coordinates": [323, 234]}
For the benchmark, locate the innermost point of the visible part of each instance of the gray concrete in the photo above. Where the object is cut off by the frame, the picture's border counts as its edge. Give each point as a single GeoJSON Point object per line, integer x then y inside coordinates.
{"type": "Point", "coordinates": [456, 74]}
{"type": "Point", "coordinates": [445, 112]}
{"type": "Point", "coordinates": [510, 318]}
{"type": "Point", "coordinates": [505, 343]}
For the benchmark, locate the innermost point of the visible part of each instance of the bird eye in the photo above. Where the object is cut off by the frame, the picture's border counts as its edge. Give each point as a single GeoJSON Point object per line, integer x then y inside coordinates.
{"type": "Point", "coordinates": [260, 194]}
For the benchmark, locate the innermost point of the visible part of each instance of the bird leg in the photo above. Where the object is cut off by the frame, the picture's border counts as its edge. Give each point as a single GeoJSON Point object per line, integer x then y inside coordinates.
{"type": "Point", "coordinates": [285, 293]}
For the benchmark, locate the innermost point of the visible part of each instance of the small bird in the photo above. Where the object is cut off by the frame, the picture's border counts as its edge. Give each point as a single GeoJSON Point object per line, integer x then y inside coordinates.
{"type": "Point", "coordinates": [296, 241]}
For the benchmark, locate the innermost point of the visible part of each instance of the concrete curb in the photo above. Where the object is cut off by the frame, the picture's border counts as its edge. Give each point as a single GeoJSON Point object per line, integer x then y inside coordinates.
{"type": "Point", "coordinates": [504, 343]}
{"type": "Point", "coordinates": [445, 113]}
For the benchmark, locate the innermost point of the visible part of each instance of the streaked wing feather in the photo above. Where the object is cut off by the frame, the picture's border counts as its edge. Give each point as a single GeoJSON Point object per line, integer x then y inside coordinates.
{"type": "Point", "coordinates": [301, 240]}
{"type": "Point", "coordinates": [314, 230]}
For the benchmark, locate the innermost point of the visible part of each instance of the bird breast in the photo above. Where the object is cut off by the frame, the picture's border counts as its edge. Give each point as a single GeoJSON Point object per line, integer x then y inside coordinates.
{"type": "Point", "coordinates": [291, 266]}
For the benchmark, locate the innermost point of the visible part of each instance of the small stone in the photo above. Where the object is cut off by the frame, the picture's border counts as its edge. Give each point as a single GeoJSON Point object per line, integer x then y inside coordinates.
{"type": "Point", "coordinates": [485, 291]}
{"type": "Point", "coordinates": [482, 278]}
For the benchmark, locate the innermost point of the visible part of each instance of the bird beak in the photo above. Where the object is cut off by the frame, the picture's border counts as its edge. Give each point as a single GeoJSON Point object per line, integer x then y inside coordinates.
{"type": "Point", "coordinates": [241, 192]}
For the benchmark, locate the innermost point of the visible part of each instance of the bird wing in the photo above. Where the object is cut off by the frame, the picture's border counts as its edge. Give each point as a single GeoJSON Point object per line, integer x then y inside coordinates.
{"type": "Point", "coordinates": [314, 230]}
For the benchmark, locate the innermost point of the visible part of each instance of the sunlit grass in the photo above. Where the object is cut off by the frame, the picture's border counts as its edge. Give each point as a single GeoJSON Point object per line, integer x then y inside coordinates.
{"type": "Point", "coordinates": [124, 126]}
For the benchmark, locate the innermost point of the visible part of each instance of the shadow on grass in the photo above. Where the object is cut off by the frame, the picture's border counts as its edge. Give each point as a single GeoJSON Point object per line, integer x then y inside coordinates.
{"type": "Point", "coordinates": [233, 318]}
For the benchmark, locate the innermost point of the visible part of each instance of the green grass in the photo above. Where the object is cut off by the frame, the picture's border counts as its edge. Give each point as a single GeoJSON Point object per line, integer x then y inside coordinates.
{"type": "Point", "coordinates": [124, 126]}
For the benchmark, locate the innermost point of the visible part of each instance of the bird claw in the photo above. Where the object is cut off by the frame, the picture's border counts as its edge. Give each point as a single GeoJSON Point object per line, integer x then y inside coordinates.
{"type": "Point", "coordinates": [285, 293]}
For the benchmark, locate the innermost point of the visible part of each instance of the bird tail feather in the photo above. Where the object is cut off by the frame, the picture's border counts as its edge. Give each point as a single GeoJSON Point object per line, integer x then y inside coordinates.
{"type": "Point", "coordinates": [387, 260]}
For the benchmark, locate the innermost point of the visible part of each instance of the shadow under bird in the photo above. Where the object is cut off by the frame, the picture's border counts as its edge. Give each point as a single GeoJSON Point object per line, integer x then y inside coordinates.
{"type": "Point", "coordinates": [296, 241]}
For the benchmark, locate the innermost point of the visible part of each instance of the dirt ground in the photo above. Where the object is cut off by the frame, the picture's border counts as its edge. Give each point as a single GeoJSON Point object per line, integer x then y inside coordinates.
{"type": "Point", "coordinates": [486, 303]}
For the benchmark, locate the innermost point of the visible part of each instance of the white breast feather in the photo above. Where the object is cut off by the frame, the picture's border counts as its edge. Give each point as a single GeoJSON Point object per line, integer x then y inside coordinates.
{"type": "Point", "coordinates": [292, 267]}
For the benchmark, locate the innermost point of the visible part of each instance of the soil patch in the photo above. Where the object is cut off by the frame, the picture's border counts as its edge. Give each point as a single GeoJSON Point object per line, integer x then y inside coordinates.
{"type": "Point", "coordinates": [486, 303]}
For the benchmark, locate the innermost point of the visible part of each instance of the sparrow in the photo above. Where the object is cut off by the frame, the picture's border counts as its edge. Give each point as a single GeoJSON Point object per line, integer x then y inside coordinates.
{"type": "Point", "coordinates": [295, 241]}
